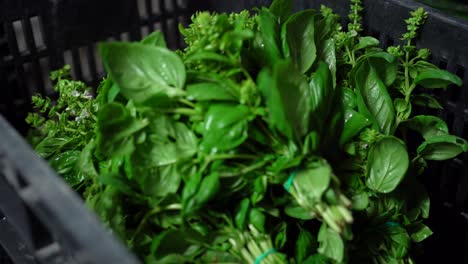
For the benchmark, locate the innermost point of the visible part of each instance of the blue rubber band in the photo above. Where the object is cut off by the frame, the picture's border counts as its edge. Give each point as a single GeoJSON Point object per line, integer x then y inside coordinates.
{"type": "Point", "coordinates": [289, 182]}
{"type": "Point", "coordinates": [391, 224]}
{"type": "Point", "coordinates": [264, 255]}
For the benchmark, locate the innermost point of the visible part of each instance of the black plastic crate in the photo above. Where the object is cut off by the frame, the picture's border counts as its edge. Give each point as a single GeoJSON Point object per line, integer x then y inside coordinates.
{"type": "Point", "coordinates": [44, 221]}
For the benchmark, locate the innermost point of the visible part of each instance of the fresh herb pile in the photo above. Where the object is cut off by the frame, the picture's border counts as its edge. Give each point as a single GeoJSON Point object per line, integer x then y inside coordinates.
{"type": "Point", "coordinates": [274, 137]}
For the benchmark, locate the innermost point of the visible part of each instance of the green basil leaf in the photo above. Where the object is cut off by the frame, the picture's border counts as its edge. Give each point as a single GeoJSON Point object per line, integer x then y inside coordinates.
{"type": "Point", "coordinates": [282, 236]}
{"type": "Point", "coordinates": [310, 184]}
{"type": "Point", "coordinates": [437, 78]}
{"type": "Point", "coordinates": [85, 164]}
{"type": "Point", "coordinates": [155, 39]}
{"type": "Point", "coordinates": [354, 123]}
{"type": "Point", "coordinates": [375, 97]}
{"type": "Point", "coordinates": [360, 201]}
{"type": "Point", "coordinates": [365, 42]}
{"type": "Point", "coordinates": [442, 147]}
{"type": "Point", "coordinates": [116, 126]}
{"type": "Point", "coordinates": [209, 91]}
{"type": "Point", "coordinates": [298, 41]}
{"type": "Point", "coordinates": [225, 127]}
{"type": "Point", "coordinates": [316, 259]}
{"type": "Point", "coordinates": [209, 186]}
{"type": "Point", "coordinates": [426, 101]}
{"type": "Point", "coordinates": [387, 164]}
{"type": "Point", "coordinates": [397, 240]}
{"type": "Point", "coordinates": [385, 65]}
{"type": "Point", "coordinates": [327, 54]}
{"type": "Point", "coordinates": [420, 232]}
{"type": "Point", "coordinates": [64, 164]}
{"type": "Point", "coordinates": [281, 9]}
{"type": "Point", "coordinates": [298, 212]}
{"type": "Point", "coordinates": [403, 109]}
{"type": "Point", "coordinates": [287, 96]}
{"type": "Point", "coordinates": [331, 243]}
{"type": "Point", "coordinates": [306, 244]}
{"type": "Point", "coordinates": [269, 45]}
{"type": "Point", "coordinates": [171, 142]}
{"type": "Point", "coordinates": [257, 219]}
{"type": "Point", "coordinates": [208, 56]}
{"type": "Point", "coordinates": [144, 72]}
{"type": "Point", "coordinates": [349, 98]}
{"type": "Point", "coordinates": [241, 215]}
{"type": "Point", "coordinates": [427, 126]}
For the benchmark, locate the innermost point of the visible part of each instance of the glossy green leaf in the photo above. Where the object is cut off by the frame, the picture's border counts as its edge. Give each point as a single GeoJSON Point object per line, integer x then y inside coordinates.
{"type": "Point", "coordinates": [298, 39]}
{"type": "Point", "coordinates": [116, 126]}
{"type": "Point", "coordinates": [209, 186]}
{"type": "Point", "coordinates": [281, 9]}
{"type": "Point", "coordinates": [327, 54]}
{"type": "Point", "coordinates": [442, 147]}
{"type": "Point", "coordinates": [257, 219]}
{"type": "Point", "coordinates": [144, 72]}
{"type": "Point", "coordinates": [64, 164]}
{"type": "Point", "coordinates": [427, 126]}
{"type": "Point", "coordinates": [241, 215]}
{"type": "Point", "coordinates": [155, 39]}
{"type": "Point", "coordinates": [403, 109]}
{"type": "Point", "coordinates": [298, 212]}
{"type": "Point", "coordinates": [354, 123]}
{"type": "Point", "coordinates": [398, 241]}
{"type": "Point", "coordinates": [170, 142]}
{"type": "Point", "coordinates": [385, 65]}
{"type": "Point", "coordinates": [225, 127]}
{"type": "Point", "coordinates": [269, 41]}
{"type": "Point", "coordinates": [306, 244]}
{"type": "Point", "coordinates": [437, 78]}
{"type": "Point", "coordinates": [349, 98]}
{"type": "Point", "coordinates": [360, 201]}
{"type": "Point", "coordinates": [331, 244]}
{"type": "Point", "coordinates": [310, 184]}
{"type": "Point", "coordinates": [209, 91]}
{"type": "Point", "coordinates": [366, 42]}
{"type": "Point", "coordinates": [375, 97]}
{"type": "Point", "coordinates": [420, 232]}
{"type": "Point", "coordinates": [316, 259]}
{"type": "Point", "coordinates": [426, 101]}
{"type": "Point", "coordinates": [387, 164]}
{"type": "Point", "coordinates": [287, 96]}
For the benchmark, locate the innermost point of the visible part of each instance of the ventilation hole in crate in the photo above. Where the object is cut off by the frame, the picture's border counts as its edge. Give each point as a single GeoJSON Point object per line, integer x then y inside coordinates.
{"type": "Point", "coordinates": [84, 63]}
{"type": "Point", "coordinates": [449, 118]}
{"type": "Point", "coordinates": [452, 174]}
{"type": "Point", "coordinates": [156, 6]}
{"type": "Point", "coordinates": [182, 3]}
{"type": "Point", "coordinates": [172, 39]}
{"type": "Point", "coordinates": [98, 61]}
{"type": "Point", "coordinates": [390, 42]}
{"type": "Point", "coordinates": [374, 33]}
{"type": "Point", "coordinates": [21, 181]}
{"type": "Point", "coordinates": [45, 68]}
{"type": "Point", "coordinates": [29, 81]}
{"type": "Point", "coordinates": [68, 59]}
{"type": "Point", "coordinates": [144, 31]}
{"type": "Point", "coordinates": [460, 71]}
{"type": "Point", "coordinates": [40, 235]}
{"type": "Point", "coordinates": [38, 32]}
{"type": "Point", "coordinates": [169, 5]}
{"type": "Point", "coordinates": [443, 64]}
{"type": "Point", "coordinates": [125, 36]}
{"type": "Point", "coordinates": [4, 50]}
{"type": "Point", "coordinates": [142, 11]}
{"type": "Point", "coordinates": [20, 37]}
{"type": "Point", "coordinates": [158, 26]}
